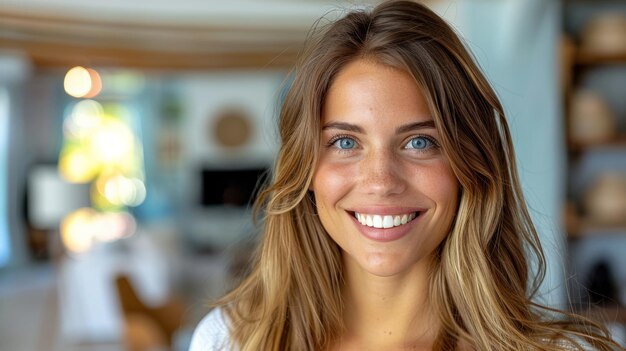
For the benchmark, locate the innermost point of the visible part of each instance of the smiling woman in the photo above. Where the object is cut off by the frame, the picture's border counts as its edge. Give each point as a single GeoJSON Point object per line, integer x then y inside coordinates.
{"type": "Point", "coordinates": [371, 175]}
{"type": "Point", "coordinates": [394, 219]}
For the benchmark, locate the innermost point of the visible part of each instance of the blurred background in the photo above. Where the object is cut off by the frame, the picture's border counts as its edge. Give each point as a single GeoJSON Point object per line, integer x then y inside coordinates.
{"type": "Point", "coordinates": [133, 134]}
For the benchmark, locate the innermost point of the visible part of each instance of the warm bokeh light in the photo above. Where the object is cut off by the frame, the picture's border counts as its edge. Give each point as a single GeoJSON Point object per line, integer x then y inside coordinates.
{"type": "Point", "coordinates": [114, 226]}
{"type": "Point", "coordinates": [98, 197]}
{"type": "Point", "coordinates": [81, 82]}
{"type": "Point", "coordinates": [140, 192]}
{"type": "Point", "coordinates": [115, 191]}
{"type": "Point", "coordinates": [76, 165]}
{"type": "Point", "coordinates": [96, 84]}
{"type": "Point", "coordinates": [100, 146]}
{"type": "Point", "coordinates": [112, 142]}
{"type": "Point", "coordinates": [83, 228]}
{"type": "Point", "coordinates": [77, 82]}
{"type": "Point", "coordinates": [83, 118]}
{"type": "Point", "coordinates": [118, 190]}
{"type": "Point", "coordinates": [76, 230]}
{"type": "Point", "coordinates": [87, 114]}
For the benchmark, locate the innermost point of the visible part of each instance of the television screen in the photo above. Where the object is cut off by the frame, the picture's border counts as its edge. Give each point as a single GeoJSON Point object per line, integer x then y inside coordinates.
{"type": "Point", "coordinates": [231, 187]}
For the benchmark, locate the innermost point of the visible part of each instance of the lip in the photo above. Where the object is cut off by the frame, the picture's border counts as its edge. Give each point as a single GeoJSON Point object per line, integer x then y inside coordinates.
{"type": "Point", "coordinates": [385, 234]}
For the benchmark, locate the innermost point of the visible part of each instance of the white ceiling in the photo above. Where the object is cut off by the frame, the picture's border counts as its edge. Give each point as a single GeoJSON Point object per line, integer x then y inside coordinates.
{"type": "Point", "coordinates": [165, 33]}
{"type": "Point", "coordinates": [247, 13]}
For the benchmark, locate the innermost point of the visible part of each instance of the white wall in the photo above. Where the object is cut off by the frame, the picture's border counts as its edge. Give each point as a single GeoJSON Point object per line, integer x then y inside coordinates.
{"type": "Point", "coordinates": [205, 95]}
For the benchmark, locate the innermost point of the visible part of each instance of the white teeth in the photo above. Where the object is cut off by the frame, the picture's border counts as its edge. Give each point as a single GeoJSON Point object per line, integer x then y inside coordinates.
{"type": "Point", "coordinates": [378, 221]}
{"type": "Point", "coordinates": [397, 220]}
{"type": "Point", "coordinates": [387, 221]}
{"type": "Point", "coordinates": [384, 221]}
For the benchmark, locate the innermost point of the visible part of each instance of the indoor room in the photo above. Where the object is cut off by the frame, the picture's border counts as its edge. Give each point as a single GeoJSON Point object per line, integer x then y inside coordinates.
{"type": "Point", "coordinates": [135, 138]}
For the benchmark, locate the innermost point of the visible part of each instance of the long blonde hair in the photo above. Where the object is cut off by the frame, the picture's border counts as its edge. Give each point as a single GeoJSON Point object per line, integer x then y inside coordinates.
{"type": "Point", "coordinates": [480, 282]}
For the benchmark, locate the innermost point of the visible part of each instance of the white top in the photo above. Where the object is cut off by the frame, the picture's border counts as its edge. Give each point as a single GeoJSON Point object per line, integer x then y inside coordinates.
{"type": "Point", "coordinates": [212, 333]}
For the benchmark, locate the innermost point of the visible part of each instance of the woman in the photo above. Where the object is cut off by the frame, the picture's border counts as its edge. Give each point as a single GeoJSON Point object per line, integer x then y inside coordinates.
{"type": "Point", "coordinates": [395, 218]}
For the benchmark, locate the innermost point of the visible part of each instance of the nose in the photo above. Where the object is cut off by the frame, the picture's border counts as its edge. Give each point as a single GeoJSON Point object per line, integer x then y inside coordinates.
{"type": "Point", "coordinates": [381, 174]}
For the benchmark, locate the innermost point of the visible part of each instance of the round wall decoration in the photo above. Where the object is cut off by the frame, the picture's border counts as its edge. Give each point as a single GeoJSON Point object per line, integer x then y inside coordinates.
{"type": "Point", "coordinates": [232, 128]}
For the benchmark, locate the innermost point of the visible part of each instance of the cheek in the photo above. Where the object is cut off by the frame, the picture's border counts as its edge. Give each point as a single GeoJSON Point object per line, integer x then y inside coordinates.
{"type": "Point", "coordinates": [329, 186]}
{"type": "Point", "coordinates": [437, 183]}
{"type": "Point", "coordinates": [444, 188]}
{"type": "Point", "coordinates": [331, 181]}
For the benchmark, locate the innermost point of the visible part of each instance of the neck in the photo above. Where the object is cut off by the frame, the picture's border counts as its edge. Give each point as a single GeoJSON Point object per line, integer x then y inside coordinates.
{"type": "Point", "coordinates": [392, 312]}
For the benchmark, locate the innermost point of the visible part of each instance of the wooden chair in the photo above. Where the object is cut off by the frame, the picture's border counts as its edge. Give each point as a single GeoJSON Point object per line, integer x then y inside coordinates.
{"type": "Point", "coordinates": [147, 327]}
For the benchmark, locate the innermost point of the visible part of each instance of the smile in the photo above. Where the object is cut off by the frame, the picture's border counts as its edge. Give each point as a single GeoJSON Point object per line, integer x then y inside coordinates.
{"type": "Point", "coordinates": [385, 221]}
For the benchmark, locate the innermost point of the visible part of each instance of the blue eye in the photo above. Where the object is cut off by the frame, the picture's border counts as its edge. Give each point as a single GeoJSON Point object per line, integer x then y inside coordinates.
{"type": "Point", "coordinates": [420, 143]}
{"type": "Point", "coordinates": [345, 143]}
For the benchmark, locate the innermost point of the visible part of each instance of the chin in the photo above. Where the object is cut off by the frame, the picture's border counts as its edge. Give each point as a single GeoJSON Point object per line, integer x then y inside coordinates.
{"type": "Point", "coordinates": [386, 265]}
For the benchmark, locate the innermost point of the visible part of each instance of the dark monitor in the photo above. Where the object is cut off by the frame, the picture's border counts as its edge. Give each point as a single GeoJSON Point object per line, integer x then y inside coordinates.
{"type": "Point", "coordinates": [231, 187]}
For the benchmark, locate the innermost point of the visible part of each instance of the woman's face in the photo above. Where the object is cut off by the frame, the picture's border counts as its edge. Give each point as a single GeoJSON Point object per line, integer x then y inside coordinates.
{"type": "Point", "coordinates": [383, 187]}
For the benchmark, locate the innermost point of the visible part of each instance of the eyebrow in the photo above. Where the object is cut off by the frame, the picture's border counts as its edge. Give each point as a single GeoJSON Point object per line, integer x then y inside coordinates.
{"type": "Point", "coordinates": [402, 129]}
{"type": "Point", "coordinates": [415, 126]}
{"type": "Point", "coordinates": [343, 126]}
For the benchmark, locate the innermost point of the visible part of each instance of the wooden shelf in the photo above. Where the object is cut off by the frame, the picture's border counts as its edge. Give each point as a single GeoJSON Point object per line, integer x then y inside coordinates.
{"type": "Point", "coordinates": [583, 58]}
{"type": "Point", "coordinates": [591, 229]}
{"type": "Point", "coordinates": [579, 227]}
{"type": "Point", "coordinates": [580, 66]}
{"type": "Point", "coordinates": [619, 142]}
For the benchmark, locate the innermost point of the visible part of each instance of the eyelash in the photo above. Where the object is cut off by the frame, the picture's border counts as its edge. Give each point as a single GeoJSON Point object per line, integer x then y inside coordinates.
{"type": "Point", "coordinates": [334, 139]}
{"type": "Point", "coordinates": [433, 141]}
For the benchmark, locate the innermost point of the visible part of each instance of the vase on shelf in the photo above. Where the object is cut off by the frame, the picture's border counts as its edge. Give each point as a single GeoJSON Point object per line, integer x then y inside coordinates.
{"type": "Point", "coordinates": [591, 119]}
{"type": "Point", "coordinates": [605, 199]}
{"type": "Point", "coordinates": [605, 34]}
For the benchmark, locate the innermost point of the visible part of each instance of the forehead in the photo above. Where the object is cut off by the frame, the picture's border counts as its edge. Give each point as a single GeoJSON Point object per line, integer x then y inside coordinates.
{"type": "Point", "coordinates": [365, 90]}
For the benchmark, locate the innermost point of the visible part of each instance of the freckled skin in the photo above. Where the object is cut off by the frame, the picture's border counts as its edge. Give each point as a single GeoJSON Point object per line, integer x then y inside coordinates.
{"type": "Point", "coordinates": [381, 172]}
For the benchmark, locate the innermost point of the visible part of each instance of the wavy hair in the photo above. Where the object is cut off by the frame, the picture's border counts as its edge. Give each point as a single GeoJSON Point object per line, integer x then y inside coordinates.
{"type": "Point", "coordinates": [480, 283]}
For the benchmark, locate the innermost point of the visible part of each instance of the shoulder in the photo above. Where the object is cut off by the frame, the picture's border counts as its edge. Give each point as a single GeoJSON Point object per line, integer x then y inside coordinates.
{"type": "Point", "coordinates": [212, 333]}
